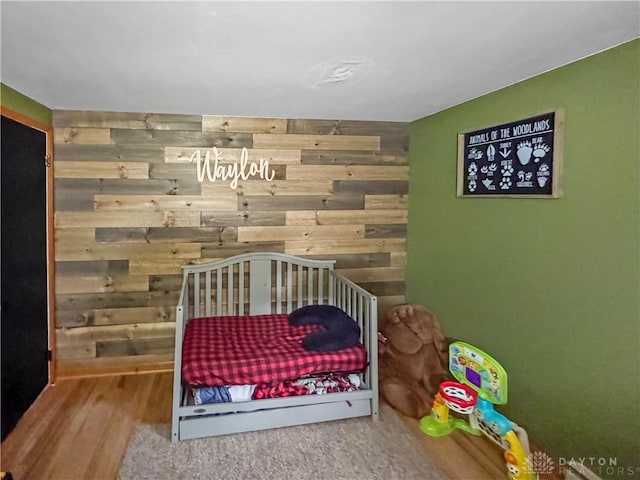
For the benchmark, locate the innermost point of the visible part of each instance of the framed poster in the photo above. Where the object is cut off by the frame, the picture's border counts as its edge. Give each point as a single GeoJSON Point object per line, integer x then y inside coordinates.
{"type": "Point", "coordinates": [519, 159]}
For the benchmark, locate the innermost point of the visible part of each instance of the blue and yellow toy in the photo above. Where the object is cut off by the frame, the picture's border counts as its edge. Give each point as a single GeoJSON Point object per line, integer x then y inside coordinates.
{"type": "Point", "coordinates": [481, 384]}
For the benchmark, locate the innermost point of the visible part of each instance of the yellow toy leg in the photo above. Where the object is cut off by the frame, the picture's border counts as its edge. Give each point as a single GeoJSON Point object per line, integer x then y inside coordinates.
{"type": "Point", "coordinates": [517, 459]}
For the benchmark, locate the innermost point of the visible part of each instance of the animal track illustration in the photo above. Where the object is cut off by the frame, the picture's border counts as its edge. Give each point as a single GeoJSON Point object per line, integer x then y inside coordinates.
{"type": "Point", "coordinates": [524, 152]}
{"type": "Point", "coordinates": [505, 183]}
{"type": "Point", "coordinates": [491, 153]}
{"type": "Point", "coordinates": [539, 151]}
{"type": "Point", "coordinates": [472, 186]}
{"type": "Point", "coordinates": [475, 154]}
{"type": "Point", "coordinates": [489, 169]}
{"type": "Point", "coordinates": [487, 182]}
{"type": "Point", "coordinates": [543, 175]}
{"type": "Point", "coordinates": [473, 168]}
{"type": "Point", "coordinates": [507, 170]}
{"type": "Point", "coordinates": [524, 176]}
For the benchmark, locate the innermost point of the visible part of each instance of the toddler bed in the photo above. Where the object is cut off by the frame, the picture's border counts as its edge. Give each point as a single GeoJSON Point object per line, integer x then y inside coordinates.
{"type": "Point", "coordinates": [233, 332]}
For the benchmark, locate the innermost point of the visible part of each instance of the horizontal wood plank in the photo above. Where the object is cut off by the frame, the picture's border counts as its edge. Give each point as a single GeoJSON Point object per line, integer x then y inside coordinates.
{"type": "Point", "coordinates": [74, 336]}
{"type": "Point", "coordinates": [215, 251]}
{"type": "Point", "coordinates": [385, 202]}
{"type": "Point", "coordinates": [164, 235]}
{"type": "Point", "coordinates": [126, 348]}
{"type": "Point", "coordinates": [124, 186]}
{"type": "Point", "coordinates": [75, 235]}
{"type": "Point", "coordinates": [164, 251]}
{"type": "Point", "coordinates": [347, 127]}
{"type": "Point", "coordinates": [90, 251]}
{"type": "Point", "coordinates": [306, 232]}
{"type": "Point", "coordinates": [276, 187]}
{"type": "Point", "coordinates": [385, 289]}
{"type": "Point", "coordinates": [386, 230]}
{"type": "Point", "coordinates": [84, 136]}
{"type": "Point", "coordinates": [71, 200]}
{"type": "Point", "coordinates": [77, 351]}
{"type": "Point", "coordinates": [103, 283]}
{"type": "Point", "coordinates": [109, 153]}
{"type": "Point", "coordinates": [375, 274]}
{"type": "Point", "coordinates": [135, 121]}
{"type": "Point", "coordinates": [356, 260]}
{"type": "Point", "coordinates": [158, 266]}
{"type": "Point", "coordinates": [234, 219]}
{"type": "Point", "coordinates": [370, 187]}
{"type": "Point", "coordinates": [345, 217]}
{"type": "Point", "coordinates": [324, 247]}
{"type": "Point", "coordinates": [91, 268]}
{"type": "Point", "coordinates": [398, 259]}
{"type": "Point", "coordinates": [177, 203]}
{"type": "Point", "coordinates": [124, 235]}
{"type": "Point", "coordinates": [86, 301]}
{"type": "Point", "coordinates": [347, 172]}
{"type": "Point", "coordinates": [172, 282]}
{"type": "Point", "coordinates": [74, 169]}
{"type": "Point", "coordinates": [341, 157]}
{"type": "Point", "coordinates": [130, 219]}
{"type": "Point", "coordinates": [73, 319]}
{"type": "Point", "coordinates": [214, 123]}
{"type": "Point", "coordinates": [394, 136]}
{"type": "Point", "coordinates": [300, 202]}
{"type": "Point", "coordinates": [316, 142]}
{"type": "Point", "coordinates": [181, 138]}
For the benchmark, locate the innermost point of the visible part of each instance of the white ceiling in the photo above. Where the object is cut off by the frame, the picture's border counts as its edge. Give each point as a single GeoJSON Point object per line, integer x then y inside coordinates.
{"type": "Point", "coordinates": [392, 61]}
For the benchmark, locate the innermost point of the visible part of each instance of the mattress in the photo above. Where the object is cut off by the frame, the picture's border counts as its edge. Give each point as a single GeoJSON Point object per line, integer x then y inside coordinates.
{"type": "Point", "coordinates": [257, 349]}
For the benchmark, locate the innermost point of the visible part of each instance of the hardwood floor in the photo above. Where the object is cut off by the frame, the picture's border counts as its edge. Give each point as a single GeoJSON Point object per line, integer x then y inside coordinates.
{"type": "Point", "coordinates": [80, 428]}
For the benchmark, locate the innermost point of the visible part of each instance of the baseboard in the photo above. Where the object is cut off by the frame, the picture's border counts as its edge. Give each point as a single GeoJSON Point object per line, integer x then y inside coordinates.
{"type": "Point", "coordinates": [115, 366]}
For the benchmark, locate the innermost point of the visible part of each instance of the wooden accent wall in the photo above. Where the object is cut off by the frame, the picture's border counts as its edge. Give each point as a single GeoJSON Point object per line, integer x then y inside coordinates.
{"type": "Point", "coordinates": [129, 211]}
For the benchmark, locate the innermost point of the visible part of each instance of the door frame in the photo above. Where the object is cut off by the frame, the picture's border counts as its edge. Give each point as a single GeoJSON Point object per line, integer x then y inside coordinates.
{"type": "Point", "coordinates": [51, 311]}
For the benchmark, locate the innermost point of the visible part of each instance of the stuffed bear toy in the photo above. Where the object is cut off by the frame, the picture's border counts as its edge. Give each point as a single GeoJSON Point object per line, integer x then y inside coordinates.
{"type": "Point", "coordinates": [413, 359]}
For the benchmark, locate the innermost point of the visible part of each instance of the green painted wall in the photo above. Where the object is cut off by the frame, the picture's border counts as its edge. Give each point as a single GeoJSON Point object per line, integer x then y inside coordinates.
{"type": "Point", "coordinates": [548, 287]}
{"type": "Point", "coordinates": [18, 102]}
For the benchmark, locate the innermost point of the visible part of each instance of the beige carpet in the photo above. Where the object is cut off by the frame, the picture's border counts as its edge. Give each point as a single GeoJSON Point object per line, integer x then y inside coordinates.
{"type": "Point", "coordinates": [353, 449]}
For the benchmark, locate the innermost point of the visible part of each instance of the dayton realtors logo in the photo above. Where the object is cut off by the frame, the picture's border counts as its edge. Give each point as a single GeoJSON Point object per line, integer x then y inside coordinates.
{"type": "Point", "coordinates": [539, 463]}
{"type": "Point", "coordinates": [601, 466]}
{"type": "Point", "coordinates": [244, 169]}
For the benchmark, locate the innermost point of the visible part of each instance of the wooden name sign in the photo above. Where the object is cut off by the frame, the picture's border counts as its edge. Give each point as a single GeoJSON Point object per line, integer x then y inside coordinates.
{"type": "Point", "coordinates": [516, 159]}
{"type": "Point", "coordinates": [233, 171]}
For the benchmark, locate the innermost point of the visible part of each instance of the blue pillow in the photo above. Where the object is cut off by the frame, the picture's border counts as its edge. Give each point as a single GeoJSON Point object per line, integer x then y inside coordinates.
{"type": "Point", "coordinates": [342, 331]}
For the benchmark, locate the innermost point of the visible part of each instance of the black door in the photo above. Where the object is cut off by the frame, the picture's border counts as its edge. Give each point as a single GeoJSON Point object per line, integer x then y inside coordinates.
{"type": "Point", "coordinates": [24, 325]}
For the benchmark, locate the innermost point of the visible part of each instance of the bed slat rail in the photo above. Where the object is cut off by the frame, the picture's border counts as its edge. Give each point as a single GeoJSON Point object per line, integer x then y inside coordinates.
{"type": "Point", "coordinates": [362, 306]}
{"type": "Point", "coordinates": [254, 284]}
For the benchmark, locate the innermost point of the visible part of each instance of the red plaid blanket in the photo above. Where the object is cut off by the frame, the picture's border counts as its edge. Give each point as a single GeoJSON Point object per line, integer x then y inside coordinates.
{"type": "Point", "coordinates": [254, 349]}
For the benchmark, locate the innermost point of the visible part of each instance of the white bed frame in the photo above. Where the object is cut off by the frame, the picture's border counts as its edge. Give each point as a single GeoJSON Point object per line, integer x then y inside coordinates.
{"type": "Point", "coordinates": [263, 283]}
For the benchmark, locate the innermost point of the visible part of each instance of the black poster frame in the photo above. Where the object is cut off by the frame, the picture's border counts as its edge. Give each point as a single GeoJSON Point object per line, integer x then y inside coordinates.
{"type": "Point", "coordinates": [517, 159]}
